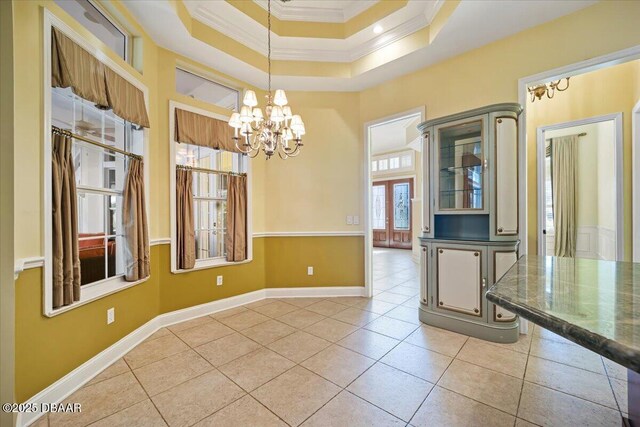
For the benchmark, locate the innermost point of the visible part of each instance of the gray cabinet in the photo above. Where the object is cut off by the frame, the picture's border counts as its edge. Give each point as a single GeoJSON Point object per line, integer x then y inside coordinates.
{"type": "Point", "coordinates": [470, 228]}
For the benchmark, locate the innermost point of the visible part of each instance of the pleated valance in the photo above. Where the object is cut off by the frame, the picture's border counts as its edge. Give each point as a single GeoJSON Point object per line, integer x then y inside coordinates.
{"type": "Point", "coordinates": [193, 128]}
{"type": "Point", "coordinates": [74, 67]}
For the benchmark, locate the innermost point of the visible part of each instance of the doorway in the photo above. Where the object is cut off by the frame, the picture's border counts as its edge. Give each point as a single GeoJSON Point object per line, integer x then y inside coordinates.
{"type": "Point", "coordinates": [580, 188]}
{"type": "Point", "coordinates": [393, 185]}
{"type": "Point", "coordinates": [391, 213]}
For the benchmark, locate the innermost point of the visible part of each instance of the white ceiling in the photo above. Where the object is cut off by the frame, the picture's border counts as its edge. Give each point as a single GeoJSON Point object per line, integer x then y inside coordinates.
{"type": "Point", "coordinates": [392, 136]}
{"type": "Point", "coordinates": [474, 23]}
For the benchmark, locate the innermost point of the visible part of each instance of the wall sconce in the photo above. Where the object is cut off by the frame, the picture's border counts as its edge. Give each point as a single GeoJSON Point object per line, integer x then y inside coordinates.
{"type": "Point", "coordinates": [549, 89]}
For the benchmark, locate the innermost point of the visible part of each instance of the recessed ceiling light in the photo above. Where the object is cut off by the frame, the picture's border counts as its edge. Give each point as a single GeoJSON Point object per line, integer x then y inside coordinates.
{"type": "Point", "coordinates": [378, 29]}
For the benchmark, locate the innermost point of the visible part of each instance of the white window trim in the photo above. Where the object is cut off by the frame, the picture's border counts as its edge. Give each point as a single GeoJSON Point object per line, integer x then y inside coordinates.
{"type": "Point", "coordinates": [105, 287]}
{"type": "Point", "coordinates": [207, 76]}
{"type": "Point", "coordinates": [209, 262]}
{"type": "Point", "coordinates": [127, 34]}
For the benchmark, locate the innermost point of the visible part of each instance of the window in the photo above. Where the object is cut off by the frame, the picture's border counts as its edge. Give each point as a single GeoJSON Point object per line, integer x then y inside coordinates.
{"type": "Point", "coordinates": [209, 195]}
{"type": "Point", "coordinates": [100, 176]}
{"type": "Point", "coordinates": [197, 87]}
{"type": "Point", "coordinates": [97, 22]}
{"type": "Point", "coordinates": [374, 166]}
{"type": "Point", "coordinates": [394, 162]}
{"type": "Point", "coordinates": [548, 194]}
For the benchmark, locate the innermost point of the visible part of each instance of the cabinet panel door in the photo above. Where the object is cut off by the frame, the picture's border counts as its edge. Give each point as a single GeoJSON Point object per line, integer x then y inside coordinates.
{"type": "Point", "coordinates": [502, 262]}
{"type": "Point", "coordinates": [424, 275]}
{"type": "Point", "coordinates": [460, 156]}
{"type": "Point", "coordinates": [459, 280]}
{"type": "Point", "coordinates": [506, 176]}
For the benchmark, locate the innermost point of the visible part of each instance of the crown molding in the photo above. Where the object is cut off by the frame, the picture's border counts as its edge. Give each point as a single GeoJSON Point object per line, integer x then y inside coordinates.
{"type": "Point", "coordinates": [252, 35]}
{"type": "Point", "coordinates": [291, 12]}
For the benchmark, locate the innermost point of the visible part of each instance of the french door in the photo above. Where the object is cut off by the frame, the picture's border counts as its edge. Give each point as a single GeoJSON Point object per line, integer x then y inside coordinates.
{"type": "Point", "coordinates": [391, 213]}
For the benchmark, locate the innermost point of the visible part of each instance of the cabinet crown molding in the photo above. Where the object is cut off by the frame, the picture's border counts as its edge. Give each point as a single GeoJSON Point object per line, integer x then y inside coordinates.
{"type": "Point", "coordinates": [513, 107]}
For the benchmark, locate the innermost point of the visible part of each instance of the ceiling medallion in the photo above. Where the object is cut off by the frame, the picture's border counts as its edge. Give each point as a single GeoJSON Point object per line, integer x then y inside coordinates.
{"type": "Point", "coordinates": [277, 131]}
{"type": "Point", "coordinates": [547, 89]}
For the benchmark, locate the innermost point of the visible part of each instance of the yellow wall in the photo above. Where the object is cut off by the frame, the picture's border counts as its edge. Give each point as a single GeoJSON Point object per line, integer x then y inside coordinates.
{"type": "Point", "coordinates": [490, 75]}
{"type": "Point", "coordinates": [606, 91]}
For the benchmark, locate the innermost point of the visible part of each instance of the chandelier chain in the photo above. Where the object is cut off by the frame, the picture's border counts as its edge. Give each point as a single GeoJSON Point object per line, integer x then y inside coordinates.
{"type": "Point", "coordinates": [269, 41]}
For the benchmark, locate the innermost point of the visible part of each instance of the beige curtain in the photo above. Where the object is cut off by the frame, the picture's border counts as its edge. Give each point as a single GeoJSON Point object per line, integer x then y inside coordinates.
{"type": "Point", "coordinates": [564, 159]}
{"type": "Point", "coordinates": [192, 128]}
{"type": "Point", "coordinates": [74, 67]}
{"type": "Point", "coordinates": [236, 239]}
{"type": "Point", "coordinates": [134, 218]}
{"type": "Point", "coordinates": [66, 259]}
{"type": "Point", "coordinates": [185, 227]}
{"type": "Point", "coordinates": [126, 100]}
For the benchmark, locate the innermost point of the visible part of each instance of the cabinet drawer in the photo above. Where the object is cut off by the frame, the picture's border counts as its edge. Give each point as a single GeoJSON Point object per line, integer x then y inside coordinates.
{"type": "Point", "coordinates": [459, 280]}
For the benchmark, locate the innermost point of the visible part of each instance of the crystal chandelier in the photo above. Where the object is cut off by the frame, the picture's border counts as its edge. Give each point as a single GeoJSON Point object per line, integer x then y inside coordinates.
{"type": "Point", "coordinates": [278, 131]}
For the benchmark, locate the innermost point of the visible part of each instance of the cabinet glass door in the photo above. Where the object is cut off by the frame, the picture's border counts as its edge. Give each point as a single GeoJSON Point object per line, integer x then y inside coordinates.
{"type": "Point", "coordinates": [461, 171]}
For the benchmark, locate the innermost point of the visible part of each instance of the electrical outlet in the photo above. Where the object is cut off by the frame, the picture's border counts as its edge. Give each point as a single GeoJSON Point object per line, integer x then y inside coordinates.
{"type": "Point", "coordinates": [219, 281]}
{"type": "Point", "coordinates": [310, 271]}
{"type": "Point", "coordinates": [111, 315]}
{"type": "Point", "coordinates": [356, 220]}
{"type": "Point", "coordinates": [349, 220]}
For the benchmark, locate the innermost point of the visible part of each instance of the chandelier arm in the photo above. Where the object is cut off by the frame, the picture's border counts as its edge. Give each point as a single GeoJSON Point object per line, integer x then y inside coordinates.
{"type": "Point", "coordinates": [566, 87]}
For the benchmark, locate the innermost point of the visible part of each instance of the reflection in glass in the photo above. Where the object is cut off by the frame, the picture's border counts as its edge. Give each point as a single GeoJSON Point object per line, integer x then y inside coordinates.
{"type": "Point", "coordinates": [461, 168]}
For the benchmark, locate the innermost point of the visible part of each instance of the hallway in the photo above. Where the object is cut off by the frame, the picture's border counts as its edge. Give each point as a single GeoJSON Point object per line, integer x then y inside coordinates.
{"type": "Point", "coordinates": [396, 277]}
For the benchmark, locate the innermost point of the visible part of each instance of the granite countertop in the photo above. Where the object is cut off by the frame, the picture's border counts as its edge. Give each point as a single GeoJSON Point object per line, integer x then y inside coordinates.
{"type": "Point", "coordinates": [593, 303]}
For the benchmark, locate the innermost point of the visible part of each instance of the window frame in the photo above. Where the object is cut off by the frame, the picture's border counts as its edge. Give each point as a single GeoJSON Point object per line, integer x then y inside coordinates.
{"type": "Point", "coordinates": [128, 51]}
{"type": "Point", "coordinates": [207, 263]}
{"type": "Point", "coordinates": [182, 67]}
{"type": "Point", "coordinates": [102, 288]}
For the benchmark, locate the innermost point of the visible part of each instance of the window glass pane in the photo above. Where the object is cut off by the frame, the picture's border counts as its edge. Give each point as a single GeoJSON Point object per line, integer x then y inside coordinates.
{"type": "Point", "coordinates": [394, 163]}
{"type": "Point", "coordinates": [406, 161]}
{"type": "Point", "coordinates": [401, 206]}
{"type": "Point", "coordinates": [374, 166]}
{"type": "Point", "coordinates": [379, 207]}
{"type": "Point", "coordinates": [100, 176]}
{"type": "Point", "coordinates": [208, 158]}
{"type": "Point", "coordinates": [97, 23]}
{"type": "Point", "coordinates": [383, 164]}
{"type": "Point", "coordinates": [115, 256]}
{"type": "Point", "coordinates": [206, 90]}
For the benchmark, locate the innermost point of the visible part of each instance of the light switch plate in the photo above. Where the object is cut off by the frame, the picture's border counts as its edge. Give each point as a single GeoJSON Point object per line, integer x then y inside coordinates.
{"type": "Point", "coordinates": [310, 271]}
{"type": "Point", "coordinates": [349, 220]}
{"type": "Point", "coordinates": [356, 220]}
{"type": "Point", "coordinates": [219, 281]}
{"type": "Point", "coordinates": [111, 315]}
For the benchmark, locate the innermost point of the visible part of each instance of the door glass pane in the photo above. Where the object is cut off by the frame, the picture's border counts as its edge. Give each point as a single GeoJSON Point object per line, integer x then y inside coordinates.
{"type": "Point", "coordinates": [461, 170]}
{"type": "Point", "coordinates": [379, 207]}
{"type": "Point", "coordinates": [401, 206]}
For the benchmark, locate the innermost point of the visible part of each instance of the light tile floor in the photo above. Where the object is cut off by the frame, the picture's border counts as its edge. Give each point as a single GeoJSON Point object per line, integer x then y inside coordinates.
{"type": "Point", "coordinates": [348, 362]}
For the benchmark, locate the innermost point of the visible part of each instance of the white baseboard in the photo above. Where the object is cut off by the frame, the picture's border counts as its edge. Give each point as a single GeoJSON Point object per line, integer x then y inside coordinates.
{"type": "Point", "coordinates": [75, 379]}
{"type": "Point", "coordinates": [329, 291]}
